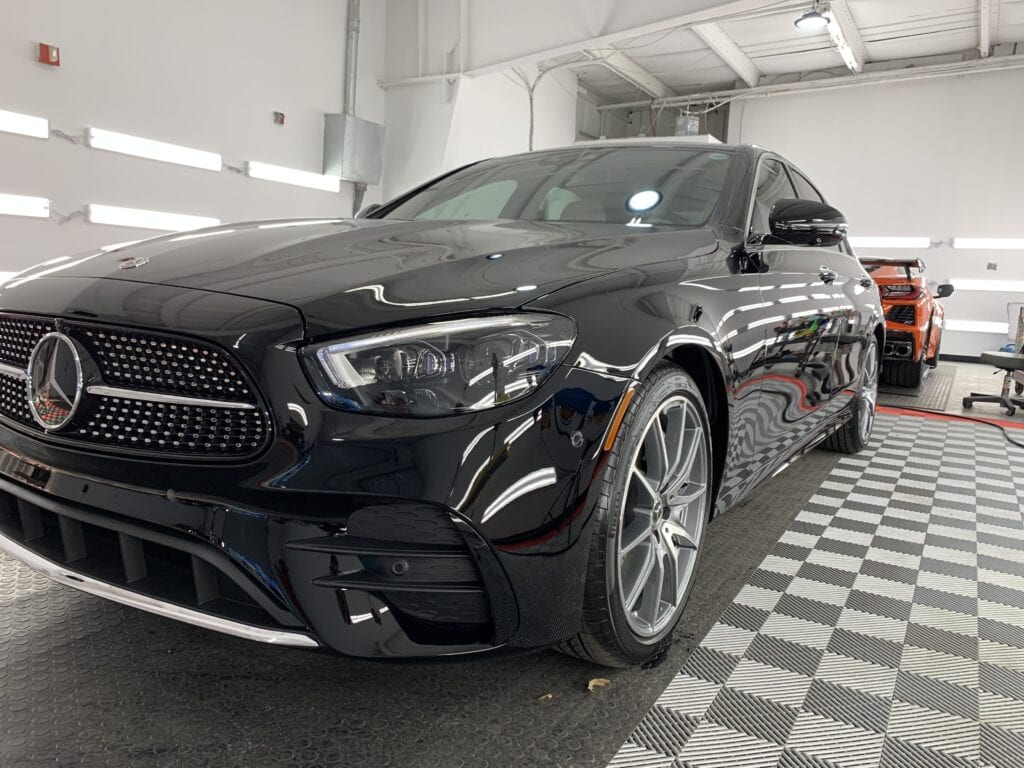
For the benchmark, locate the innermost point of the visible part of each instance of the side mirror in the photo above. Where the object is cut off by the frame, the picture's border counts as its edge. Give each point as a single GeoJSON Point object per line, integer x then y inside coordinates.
{"type": "Point", "coordinates": [368, 210]}
{"type": "Point", "coordinates": [806, 222]}
{"type": "Point", "coordinates": [944, 290]}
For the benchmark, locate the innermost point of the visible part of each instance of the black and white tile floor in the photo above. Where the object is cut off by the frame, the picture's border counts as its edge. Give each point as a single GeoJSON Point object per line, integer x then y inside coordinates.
{"type": "Point", "coordinates": [886, 627]}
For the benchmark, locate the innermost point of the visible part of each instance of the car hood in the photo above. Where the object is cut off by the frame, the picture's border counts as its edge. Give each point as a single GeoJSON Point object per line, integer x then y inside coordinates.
{"type": "Point", "coordinates": [346, 274]}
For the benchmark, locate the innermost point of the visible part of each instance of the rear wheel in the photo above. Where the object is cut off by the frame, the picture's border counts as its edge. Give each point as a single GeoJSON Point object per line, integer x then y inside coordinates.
{"type": "Point", "coordinates": [906, 373]}
{"type": "Point", "coordinates": [854, 435]}
{"type": "Point", "coordinates": [933, 361]}
{"type": "Point", "coordinates": [655, 503]}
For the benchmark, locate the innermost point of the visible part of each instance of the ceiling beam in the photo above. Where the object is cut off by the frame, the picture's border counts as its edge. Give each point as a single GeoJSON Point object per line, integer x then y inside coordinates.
{"type": "Point", "coordinates": [632, 72]}
{"type": "Point", "coordinates": [846, 38]}
{"type": "Point", "coordinates": [711, 12]}
{"type": "Point", "coordinates": [988, 23]}
{"type": "Point", "coordinates": [727, 50]}
{"type": "Point", "coordinates": [903, 74]}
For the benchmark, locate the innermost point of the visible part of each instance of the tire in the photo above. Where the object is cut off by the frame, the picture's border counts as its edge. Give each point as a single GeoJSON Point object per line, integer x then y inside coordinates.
{"type": "Point", "coordinates": [627, 542]}
{"type": "Point", "coordinates": [854, 435]}
{"type": "Point", "coordinates": [903, 373]}
{"type": "Point", "coordinates": [933, 361]}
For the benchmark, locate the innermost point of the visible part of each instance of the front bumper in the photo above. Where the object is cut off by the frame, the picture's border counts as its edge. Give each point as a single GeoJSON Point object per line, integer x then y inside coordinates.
{"type": "Point", "coordinates": [274, 558]}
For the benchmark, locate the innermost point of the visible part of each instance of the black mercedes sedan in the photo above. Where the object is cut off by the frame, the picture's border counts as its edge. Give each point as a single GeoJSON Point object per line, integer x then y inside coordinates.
{"type": "Point", "coordinates": [497, 412]}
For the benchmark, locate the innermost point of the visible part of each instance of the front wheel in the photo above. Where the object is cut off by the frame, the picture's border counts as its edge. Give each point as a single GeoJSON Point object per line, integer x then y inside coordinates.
{"type": "Point", "coordinates": [854, 435]}
{"type": "Point", "coordinates": [654, 506]}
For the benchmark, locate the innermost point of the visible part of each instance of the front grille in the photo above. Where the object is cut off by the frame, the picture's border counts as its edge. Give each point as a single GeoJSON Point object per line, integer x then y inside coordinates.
{"type": "Point", "coordinates": [906, 314]}
{"type": "Point", "coordinates": [164, 364]}
{"type": "Point", "coordinates": [170, 427]}
{"type": "Point", "coordinates": [18, 335]}
{"type": "Point", "coordinates": [141, 365]}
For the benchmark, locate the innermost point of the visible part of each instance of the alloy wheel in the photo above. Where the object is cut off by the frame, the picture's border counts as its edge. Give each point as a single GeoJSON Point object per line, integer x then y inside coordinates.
{"type": "Point", "coordinates": [662, 518]}
{"type": "Point", "coordinates": [868, 393]}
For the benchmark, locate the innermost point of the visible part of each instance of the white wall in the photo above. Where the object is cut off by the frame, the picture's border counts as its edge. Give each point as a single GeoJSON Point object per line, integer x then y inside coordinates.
{"type": "Point", "coordinates": [202, 74]}
{"type": "Point", "coordinates": [941, 158]}
{"type": "Point", "coordinates": [436, 126]}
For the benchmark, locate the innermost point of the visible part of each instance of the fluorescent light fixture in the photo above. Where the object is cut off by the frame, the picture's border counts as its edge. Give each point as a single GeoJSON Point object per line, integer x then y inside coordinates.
{"type": "Point", "coordinates": [26, 125]}
{"type": "Point", "coordinates": [279, 173]}
{"type": "Point", "coordinates": [991, 286]}
{"type": "Point", "coordinates": [24, 205]}
{"type": "Point", "coordinates": [977, 326]}
{"type": "Point", "coordinates": [143, 219]}
{"type": "Point", "coordinates": [153, 150]}
{"type": "Point", "coordinates": [989, 243]}
{"type": "Point", "coordinates": [843, 48]}
{"type": "Point", "coordinates": [921, 243]}
{"type": "Point", "coordinates": [5, 276]}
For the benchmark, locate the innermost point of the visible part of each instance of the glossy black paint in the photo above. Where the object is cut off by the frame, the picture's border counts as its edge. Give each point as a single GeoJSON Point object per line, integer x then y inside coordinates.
{"type": "Point", "coordinates": [772, 332]}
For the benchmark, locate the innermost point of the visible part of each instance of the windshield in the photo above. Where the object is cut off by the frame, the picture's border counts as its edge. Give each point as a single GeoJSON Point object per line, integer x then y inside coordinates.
{"type": "Point", "coordinates": [597, 185]}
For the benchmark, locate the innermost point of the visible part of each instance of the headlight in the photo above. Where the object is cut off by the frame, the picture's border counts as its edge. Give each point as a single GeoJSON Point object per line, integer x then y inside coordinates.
{"type": "Point", "coordinates": [441, 368]}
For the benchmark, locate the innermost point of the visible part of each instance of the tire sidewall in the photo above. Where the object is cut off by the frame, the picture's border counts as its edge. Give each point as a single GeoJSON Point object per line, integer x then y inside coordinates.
{"type": "Point", "coordinates": [664, 383]}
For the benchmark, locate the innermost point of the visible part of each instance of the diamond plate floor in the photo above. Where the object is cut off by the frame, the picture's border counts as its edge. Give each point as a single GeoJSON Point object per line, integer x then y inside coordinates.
{"type": "Point", "coordinates": [932, 395]}
{"type": "Point", "coordinates": [84, 682]}
{"type": "Point", "coordinates": [886, 627]}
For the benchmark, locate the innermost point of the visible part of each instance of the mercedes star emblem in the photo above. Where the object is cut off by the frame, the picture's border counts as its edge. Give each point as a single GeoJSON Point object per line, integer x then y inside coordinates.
{"type": "Point", "coordinates": [54, 381]}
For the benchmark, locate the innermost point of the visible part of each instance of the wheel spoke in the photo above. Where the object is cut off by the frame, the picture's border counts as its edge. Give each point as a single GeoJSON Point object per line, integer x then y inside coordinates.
{"type": "Point", "coordinates": [677, 534]}
{"type": "Point", "coordinates": [688, 494]}
{"type": "Point", "coordinates": [656, 453]}
{"type": "Point", "coordinates": [641, 528]}
{"type": "Point", "coordinates": [674, 437]}
{"type": "Point", "coordinates": [650, 607]}
{"type": "Point", "coordinates": [641, 580]}
{"type": "Point", "coordinates": [645, 484]}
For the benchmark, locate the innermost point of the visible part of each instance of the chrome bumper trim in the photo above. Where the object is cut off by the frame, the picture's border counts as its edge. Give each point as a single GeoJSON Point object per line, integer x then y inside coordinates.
{"type": "Point", "coordinates": [146, 603]}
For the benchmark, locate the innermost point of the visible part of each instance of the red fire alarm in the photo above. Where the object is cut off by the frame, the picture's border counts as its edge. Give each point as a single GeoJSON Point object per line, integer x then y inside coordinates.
{"type": "Point", "coordinates": [49, 54]}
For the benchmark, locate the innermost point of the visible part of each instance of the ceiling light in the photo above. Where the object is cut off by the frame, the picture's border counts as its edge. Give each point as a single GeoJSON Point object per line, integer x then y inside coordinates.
{"type": "Point", "coordinates": [283, 175]}
{"type": "Point", "coordinates": [143, 219]}
{"type": "Point", "coordinates": [813, 20]}
{"type": "Point", "coordinates": [24, 205]}
{"type": "Point", "coordinates": [26, 125]}
{"type": "Point", "coordinates": [152, 150]}
{"type": "Point", "coordinates": [921, 243]}
{"type": "Point", "coordinates": [989, 243]}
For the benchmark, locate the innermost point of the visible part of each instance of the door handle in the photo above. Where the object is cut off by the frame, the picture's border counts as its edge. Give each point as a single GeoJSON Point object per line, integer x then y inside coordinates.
{"type": "Point", "coordinates": [827, 275]}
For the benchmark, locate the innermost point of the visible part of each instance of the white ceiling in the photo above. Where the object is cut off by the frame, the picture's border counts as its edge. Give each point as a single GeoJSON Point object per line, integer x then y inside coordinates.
{"type": "Point", "coordinates": [891, 30]}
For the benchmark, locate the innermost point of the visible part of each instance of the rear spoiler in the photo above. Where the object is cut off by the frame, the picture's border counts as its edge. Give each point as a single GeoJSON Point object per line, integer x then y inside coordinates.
{"type": "Point", "coordinates": [872, 262]}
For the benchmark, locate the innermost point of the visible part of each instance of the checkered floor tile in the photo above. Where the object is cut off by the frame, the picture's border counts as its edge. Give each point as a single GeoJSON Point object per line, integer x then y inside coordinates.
{"type": "Point", "coordinates": [886, 627]}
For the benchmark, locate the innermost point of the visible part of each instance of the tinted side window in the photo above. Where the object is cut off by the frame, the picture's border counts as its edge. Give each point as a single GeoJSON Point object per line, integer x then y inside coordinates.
{"type": "Point", "coordinates": [773, 184]}
{"type": "Point", "coordinates": [804, 189]}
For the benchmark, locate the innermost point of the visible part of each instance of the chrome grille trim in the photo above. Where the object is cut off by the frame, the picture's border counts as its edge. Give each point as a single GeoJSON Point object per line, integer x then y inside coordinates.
{"type": "Point", "coordinates": [159, 397]}
{"type": "Point", "coordinates": [13, 371]}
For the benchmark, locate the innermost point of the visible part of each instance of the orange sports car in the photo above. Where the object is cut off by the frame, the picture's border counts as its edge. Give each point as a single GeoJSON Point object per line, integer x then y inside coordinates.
{"type": "Point", "coordinates": [913, 319]}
